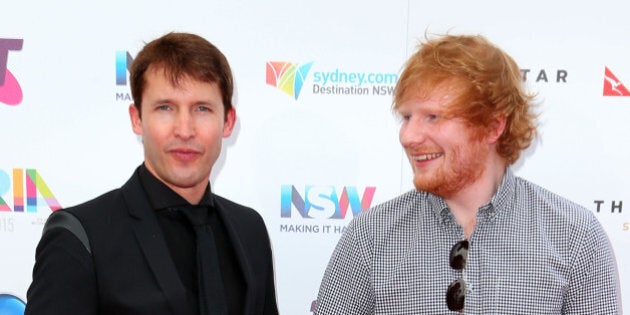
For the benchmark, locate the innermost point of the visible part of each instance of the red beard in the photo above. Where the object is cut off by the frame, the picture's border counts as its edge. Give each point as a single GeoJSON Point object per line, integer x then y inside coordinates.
{"type": "Point", "coordinates": [461, 167]}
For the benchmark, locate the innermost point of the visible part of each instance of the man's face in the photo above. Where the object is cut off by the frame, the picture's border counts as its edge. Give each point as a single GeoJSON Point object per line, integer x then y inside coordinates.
{"type": "Point", "coordinates": [182, 128]}
{"type": "Point", "coordinates": [444, 154]}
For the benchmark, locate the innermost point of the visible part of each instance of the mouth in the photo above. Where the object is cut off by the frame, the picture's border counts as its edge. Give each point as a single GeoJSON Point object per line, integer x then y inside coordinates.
{"type": "Point", "coordinates": [426, 157]}
{"type": "Point", "coordinates": [184, 154]}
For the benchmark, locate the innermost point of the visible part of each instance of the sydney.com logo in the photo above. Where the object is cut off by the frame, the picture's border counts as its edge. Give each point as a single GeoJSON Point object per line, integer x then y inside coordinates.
{"type": "Point", "coordinates": [291, 78]}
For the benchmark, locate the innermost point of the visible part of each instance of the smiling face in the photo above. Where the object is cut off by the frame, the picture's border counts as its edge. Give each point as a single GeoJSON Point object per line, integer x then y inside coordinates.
{"type": "Point", "coordinates": [445, 152]}
{"type": "Point", "coordinates": [182, 128]}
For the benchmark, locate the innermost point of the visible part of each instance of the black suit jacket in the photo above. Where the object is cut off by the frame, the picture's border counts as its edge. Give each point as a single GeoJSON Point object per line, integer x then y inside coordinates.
{"type": "Point", "coordinates": [129, 269]}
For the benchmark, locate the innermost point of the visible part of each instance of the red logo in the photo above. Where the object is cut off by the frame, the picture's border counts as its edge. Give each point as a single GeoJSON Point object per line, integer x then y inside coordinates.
{"type": "Point", "coordinates": [612, 85]}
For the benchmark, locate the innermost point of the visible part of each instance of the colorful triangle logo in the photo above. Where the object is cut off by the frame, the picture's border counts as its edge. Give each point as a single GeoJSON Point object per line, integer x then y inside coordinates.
{"type": "Point", "coordinates": [287, 77]}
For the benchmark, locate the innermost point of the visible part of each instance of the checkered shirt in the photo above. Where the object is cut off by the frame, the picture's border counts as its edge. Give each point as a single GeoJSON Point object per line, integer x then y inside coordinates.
{"type": "Point", "coordinates": [532, 252]}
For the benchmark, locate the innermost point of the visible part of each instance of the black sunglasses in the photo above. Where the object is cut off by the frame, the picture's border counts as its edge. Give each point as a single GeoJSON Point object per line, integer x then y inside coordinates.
{"type": "Point", "coordinates": [456, 292]}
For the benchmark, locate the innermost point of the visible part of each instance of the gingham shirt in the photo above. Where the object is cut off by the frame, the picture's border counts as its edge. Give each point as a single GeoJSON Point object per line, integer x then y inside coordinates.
{"type": "Point", "coordinates": [532, 252]}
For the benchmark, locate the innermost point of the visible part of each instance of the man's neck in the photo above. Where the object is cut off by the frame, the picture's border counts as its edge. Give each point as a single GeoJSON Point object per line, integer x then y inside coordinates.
{"type": "Point", "coordinates": [465, 204]}
{"type": "Point", "coordinates": [193, 195]}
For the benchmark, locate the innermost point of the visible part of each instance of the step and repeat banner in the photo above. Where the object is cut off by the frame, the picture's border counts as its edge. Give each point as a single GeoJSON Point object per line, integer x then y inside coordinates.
{"type": "Point", "coordinates": [316, 142]}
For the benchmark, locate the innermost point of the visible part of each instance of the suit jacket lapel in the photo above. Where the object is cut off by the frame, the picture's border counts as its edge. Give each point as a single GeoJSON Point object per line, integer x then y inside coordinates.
{"type": "Point", "coordinates": [244, 262]}
{"type": "Point", "coordinates": [154, 248]}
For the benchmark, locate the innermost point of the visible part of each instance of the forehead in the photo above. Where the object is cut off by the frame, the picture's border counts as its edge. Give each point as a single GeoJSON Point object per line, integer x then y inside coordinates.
{"type": "Point", "coordinates": [163, 78]}
{"type": "Point", "coordinates": [160, 88]}
{"type": "Point", "coordinates": [441, 97]}
{"type": "Point", "coordinates": [163, 75]}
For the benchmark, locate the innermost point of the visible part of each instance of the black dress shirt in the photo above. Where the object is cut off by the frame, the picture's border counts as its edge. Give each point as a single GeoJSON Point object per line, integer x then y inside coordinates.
{"type": "Point", "coordinates": [180, 239]}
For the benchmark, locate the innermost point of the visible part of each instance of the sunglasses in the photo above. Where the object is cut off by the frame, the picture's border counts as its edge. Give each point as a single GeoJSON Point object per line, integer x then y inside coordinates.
{"type": "Point", "coordinates": [456, 292]}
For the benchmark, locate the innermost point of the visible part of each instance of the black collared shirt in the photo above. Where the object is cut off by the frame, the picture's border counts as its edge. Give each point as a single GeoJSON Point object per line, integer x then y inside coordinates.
{"type": "Point", "coordinates": [180, 239]}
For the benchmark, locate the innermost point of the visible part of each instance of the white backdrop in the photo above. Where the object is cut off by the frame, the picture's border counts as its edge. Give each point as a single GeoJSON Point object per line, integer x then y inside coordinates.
{"type": "Point", "coordinates": [69, 129]}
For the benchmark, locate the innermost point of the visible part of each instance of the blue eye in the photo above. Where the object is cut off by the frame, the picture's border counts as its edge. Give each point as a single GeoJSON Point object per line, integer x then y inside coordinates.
{"type": "Point", "coordinates": [163, 107]}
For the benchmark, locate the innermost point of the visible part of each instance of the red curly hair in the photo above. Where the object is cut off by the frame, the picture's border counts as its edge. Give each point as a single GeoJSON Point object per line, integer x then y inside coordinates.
{"type": "Point", "coordinates": [489, 85]}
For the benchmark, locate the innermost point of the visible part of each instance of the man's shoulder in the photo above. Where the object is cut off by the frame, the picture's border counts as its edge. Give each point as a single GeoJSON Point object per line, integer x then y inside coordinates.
{"type": "Point", "coordinates": [113, 201]}
{"type": "Point", "coordinates": [236, 210]}
{"type": "Point", "coordinates": [550, 204]}
{"type": "Point", "coordinates": [393, 209]}
{"type": "Point", "coordinates": [531, 190]}
{"type": "Point", "coordinates": [92, 207]}
{"type": "Point", "coordinates": [245, 221]}
{"type": "Point", "coordinates": [403, 202]}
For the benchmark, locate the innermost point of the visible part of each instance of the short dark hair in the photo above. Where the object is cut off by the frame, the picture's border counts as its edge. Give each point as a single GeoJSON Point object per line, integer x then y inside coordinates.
{"type": "Point", "coordinates": [182, 55]}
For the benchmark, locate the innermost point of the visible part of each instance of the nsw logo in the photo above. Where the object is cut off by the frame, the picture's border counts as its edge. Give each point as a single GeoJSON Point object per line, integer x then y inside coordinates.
{"type": "Point", "coordinates": [324, 201]}
{"type": "Point", "coordinates": [123, 64]}
{"type": "Point", "coordinates": [287, 76]}
{"type": "Point", "coordinates": [10, 90]}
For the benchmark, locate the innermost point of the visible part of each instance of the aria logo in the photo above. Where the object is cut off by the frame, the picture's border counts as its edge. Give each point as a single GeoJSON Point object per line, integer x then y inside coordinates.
{"type": "Point", "coordinates": [34, 184]}
{"type": "Point", "coordinates": [10, 90]}
{"type": "Point", "coordinates": [288, 77]}
{"type": "Point", "coordinates": [612, 85]}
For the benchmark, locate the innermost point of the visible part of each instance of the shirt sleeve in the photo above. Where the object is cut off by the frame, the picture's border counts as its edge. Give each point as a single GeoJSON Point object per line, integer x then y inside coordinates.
{"type": "Point", "coordinates": [594, 285]}
{"type": "Point", "coordinates": [63, 277]}
{"type": "Point", "coordinates": [346, 287]}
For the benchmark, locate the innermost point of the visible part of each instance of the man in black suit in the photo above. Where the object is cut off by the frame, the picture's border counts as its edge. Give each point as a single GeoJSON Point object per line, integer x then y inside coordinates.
{"type": "Point", "coordinates": [133, 250]}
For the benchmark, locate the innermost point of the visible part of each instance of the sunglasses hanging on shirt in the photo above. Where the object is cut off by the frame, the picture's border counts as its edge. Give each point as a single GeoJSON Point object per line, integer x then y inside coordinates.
{"type": "Point", "coordinates": [456, 292]}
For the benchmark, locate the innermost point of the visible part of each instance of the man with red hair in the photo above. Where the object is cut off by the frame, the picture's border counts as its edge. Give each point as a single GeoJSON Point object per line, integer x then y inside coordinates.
{"type": "Point", "coordinates": [472, 237]}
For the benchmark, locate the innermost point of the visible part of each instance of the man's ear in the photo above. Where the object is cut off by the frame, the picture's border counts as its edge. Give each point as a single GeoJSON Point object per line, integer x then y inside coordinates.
{"type": "Point", "coordinates": [496, 129]}
{"type": "Point", "coordinates": [230, 121]}
{"type": "Point", "coordinates": [136, 121]}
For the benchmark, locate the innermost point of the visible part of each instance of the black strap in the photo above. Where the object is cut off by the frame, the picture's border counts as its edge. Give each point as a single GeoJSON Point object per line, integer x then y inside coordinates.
{"type": "Point", "coordinates": [68, 221]}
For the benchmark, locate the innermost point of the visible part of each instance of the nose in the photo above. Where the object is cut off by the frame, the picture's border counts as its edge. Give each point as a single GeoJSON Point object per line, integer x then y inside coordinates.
{"type": "Point", "coordinates": [184, 125]}
{"type": "Point", "coordinates": [412, 132]}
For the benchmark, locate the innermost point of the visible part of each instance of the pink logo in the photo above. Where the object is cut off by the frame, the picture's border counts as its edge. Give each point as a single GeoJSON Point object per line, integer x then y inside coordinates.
{"type": "Point", "coordinates": [10, 90]}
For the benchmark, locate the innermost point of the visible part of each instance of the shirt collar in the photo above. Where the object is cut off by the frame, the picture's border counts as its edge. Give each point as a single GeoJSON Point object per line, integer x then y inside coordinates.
{"type": "Point", "coordinates": [501, 201]}
{"type": "Point", "coordinates": [437, 204]}
{"type": "Point", "coordinates": [162, 196]}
